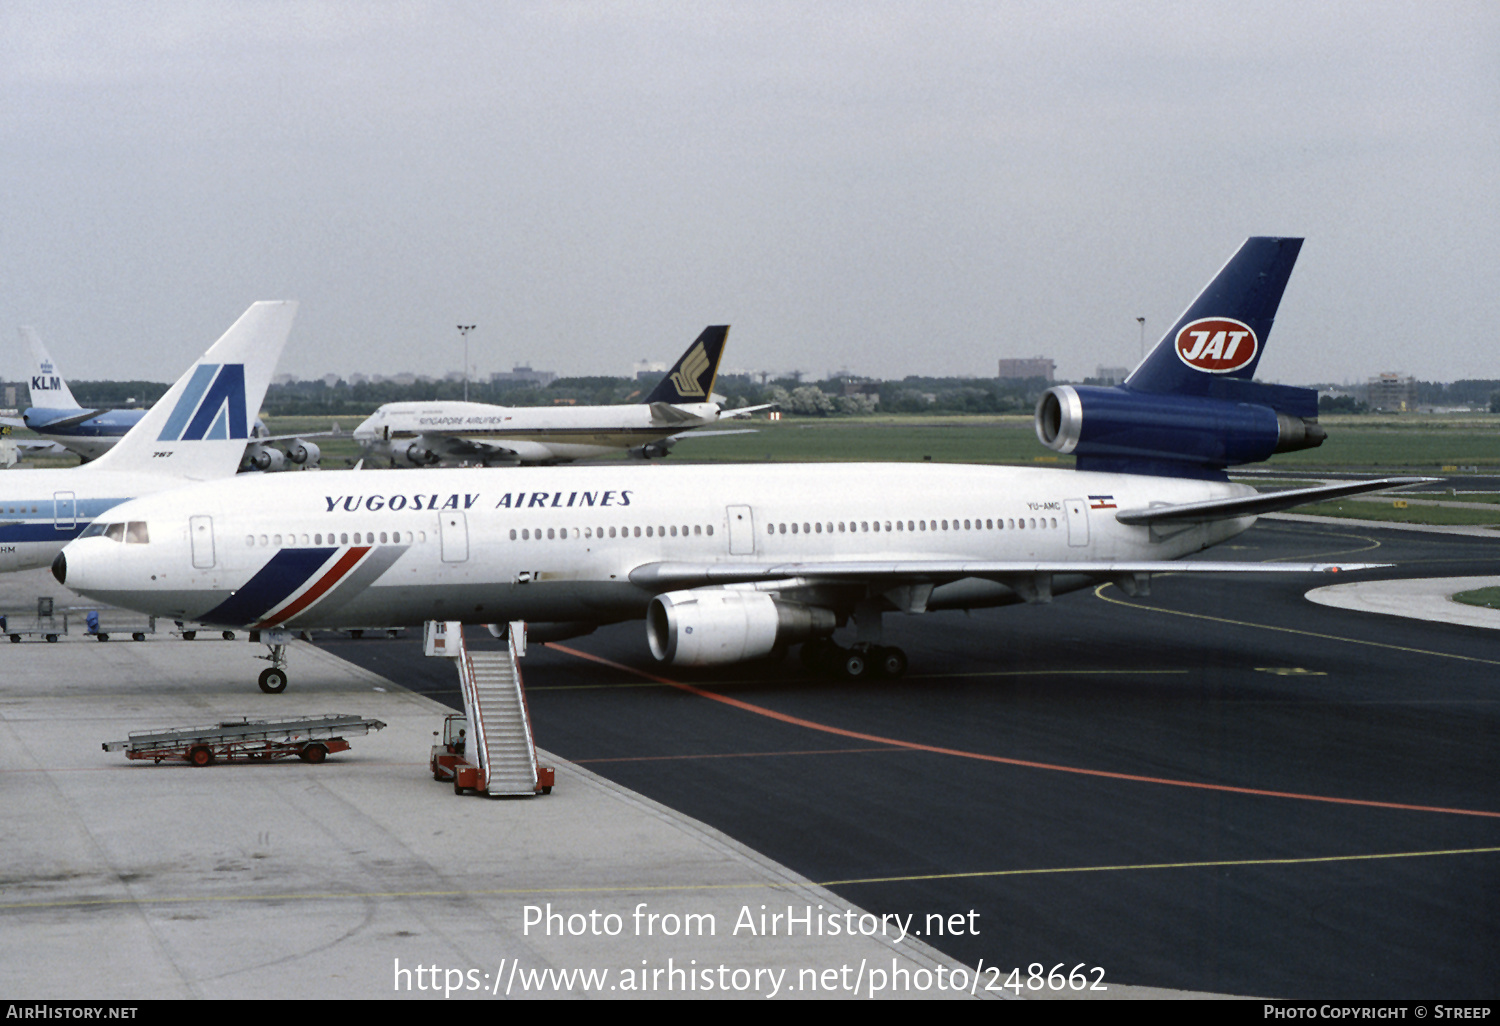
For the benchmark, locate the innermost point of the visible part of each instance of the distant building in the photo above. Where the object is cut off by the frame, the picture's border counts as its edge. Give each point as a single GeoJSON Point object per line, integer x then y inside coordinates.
{"type": "Point", "coordinates": [1036, 367]}
{"type": "Point", "coordinates": [1392, 392]}
{"type": "Point", "coordinates": [1111, 375]}
{"type": "Point", "coordinates": [523, 376]}
{"type": "Point", "coordinates": [868, 387]}
{"type": "Point", "coordinates": [648, 370]}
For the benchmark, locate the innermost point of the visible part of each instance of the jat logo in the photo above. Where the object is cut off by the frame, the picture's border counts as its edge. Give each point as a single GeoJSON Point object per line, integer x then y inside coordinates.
{"type": "Point", "coordinates": [211, 407]}
{"type": "Point", "coordinates": [1217, 345]}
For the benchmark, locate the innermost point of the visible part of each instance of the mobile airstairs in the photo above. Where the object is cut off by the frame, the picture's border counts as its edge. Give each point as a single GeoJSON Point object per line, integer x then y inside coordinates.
{"type": "Point", "coordinates": [489, 750]}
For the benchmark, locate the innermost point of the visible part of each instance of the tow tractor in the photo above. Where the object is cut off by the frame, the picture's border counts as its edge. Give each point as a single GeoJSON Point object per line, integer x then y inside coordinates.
{"type": "Point", "coordinates": [309, 738]}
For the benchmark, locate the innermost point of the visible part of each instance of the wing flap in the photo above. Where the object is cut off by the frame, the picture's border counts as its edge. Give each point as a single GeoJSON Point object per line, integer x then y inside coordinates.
{"type": "Point", "coordinates": [886, 573]}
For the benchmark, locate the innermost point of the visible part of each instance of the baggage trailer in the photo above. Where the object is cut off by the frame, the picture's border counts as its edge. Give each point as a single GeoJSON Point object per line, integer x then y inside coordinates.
{"type": "Point", "coordinates": [46, 625]}
{"type": "Point", "coordinates": [100, 625]}
{"type": "Point", "coordinates": [310, 738]}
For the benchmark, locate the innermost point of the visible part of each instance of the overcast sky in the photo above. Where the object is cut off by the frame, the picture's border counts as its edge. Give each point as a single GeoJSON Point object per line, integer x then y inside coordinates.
{"type": "Point", "coordinates": [887, 188]}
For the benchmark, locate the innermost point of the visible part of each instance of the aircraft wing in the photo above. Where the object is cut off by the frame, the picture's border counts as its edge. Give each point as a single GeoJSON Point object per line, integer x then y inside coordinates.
{"type": "Point", "coordinates": [305, 434]}
{"type": "Point", "coordinates": [745, 411]}
{"type": "Point", "coordinates": [1253, 505]}
{"type": "Point", "coordinates": [888, 573]}
{"type": "Point", "coordinates": [710, 434]}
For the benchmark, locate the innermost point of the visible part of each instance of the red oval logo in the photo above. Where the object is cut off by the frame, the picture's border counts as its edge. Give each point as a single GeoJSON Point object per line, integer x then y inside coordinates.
{"type": "Point", "coordinates": [1217, 345]}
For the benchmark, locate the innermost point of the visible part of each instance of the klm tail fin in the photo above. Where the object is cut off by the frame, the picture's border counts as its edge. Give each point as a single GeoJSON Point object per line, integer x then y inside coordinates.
{"type": "Point", "coordinates": [48, 389]}
{"type": "Point", "coordinates": [691, 379]}
{"type": "Point", "coordinates": [1223, 333]}
{"type": "Point", "coordinates": [198, 430]}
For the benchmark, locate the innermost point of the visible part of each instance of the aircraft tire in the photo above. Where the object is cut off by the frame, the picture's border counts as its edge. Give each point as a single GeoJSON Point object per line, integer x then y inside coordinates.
{"type": "Point", "coordinates": [854, 664]}
{"type": "Point", "coordinates": [890, 662]}
{"type": "Point", "coordinates": [228, 635]}
{"type": "Point", "coordinates": [273, 681]}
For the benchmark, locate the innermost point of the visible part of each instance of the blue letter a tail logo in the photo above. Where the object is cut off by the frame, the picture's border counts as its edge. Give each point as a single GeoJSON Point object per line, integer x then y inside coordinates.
{"type": "Point", "coordinates": [211, 407]}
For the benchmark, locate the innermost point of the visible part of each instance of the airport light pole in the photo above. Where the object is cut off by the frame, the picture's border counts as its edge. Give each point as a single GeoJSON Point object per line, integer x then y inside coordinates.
{"type": "Point", "coordinates": [1142, 322]}
{"type": "Point", "coordinates": [464, 329]}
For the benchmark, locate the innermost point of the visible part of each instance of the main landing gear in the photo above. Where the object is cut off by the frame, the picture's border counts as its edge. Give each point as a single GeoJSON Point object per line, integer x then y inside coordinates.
{"type": "Point", "coordinates": [858, 661]}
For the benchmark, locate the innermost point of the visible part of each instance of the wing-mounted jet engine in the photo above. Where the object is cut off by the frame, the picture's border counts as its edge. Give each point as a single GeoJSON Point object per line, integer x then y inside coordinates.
{"type": "Point", "coordinates": [712, 626]}
{"type": "Point", "coordinates": [299, 453]}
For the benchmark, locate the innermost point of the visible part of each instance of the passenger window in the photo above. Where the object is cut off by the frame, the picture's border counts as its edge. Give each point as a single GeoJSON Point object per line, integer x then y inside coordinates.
{"type": "Point", "coordinates": [249, 539]}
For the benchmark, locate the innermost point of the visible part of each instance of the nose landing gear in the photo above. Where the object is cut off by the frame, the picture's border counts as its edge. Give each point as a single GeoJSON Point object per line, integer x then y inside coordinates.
{"type": "Point", "coordinates": [273, 680]}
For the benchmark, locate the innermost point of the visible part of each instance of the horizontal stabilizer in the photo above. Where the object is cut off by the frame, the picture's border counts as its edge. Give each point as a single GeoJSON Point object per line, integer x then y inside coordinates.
{"type": "Point", "coordinates": [666, 413]}
{"type": "Point", "coordinates": [670, 576]}
{"type": "Point", "coordinates": [1254, 505]}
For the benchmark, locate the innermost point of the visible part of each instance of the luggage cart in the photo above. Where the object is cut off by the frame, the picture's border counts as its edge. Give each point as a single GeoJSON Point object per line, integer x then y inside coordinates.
{"type": "Point", "coordinates": [310, 738]}
{"type": "Point", "coordinates": [46, 624]}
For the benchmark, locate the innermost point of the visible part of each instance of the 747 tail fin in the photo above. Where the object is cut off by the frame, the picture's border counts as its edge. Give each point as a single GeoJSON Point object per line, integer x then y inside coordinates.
{"type": "Point", "coordinates": [198, 430]}
{"type": "Point", "coordinates": [48, 389]}
{"type": "Point", "coordinates": [691, 379]}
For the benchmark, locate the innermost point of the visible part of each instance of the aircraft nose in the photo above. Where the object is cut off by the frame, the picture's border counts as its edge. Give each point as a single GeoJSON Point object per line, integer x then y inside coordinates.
{"type": "Point", "coordinates": [60, 569]}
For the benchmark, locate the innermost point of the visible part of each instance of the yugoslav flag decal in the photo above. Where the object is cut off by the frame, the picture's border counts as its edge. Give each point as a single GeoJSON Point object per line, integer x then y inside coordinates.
{"type": "Point", "coordinates": [1217, 345]}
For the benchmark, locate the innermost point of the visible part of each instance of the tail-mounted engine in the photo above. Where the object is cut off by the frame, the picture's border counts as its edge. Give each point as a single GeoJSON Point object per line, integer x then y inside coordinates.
{"type": "Point", "coordinates": [710, 626]}
{"type": "Point", "coordinates": [1124, 430]}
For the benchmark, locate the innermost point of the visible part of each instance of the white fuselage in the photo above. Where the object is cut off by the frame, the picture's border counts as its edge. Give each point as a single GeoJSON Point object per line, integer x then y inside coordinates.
{"type": "Point", "coordinates": [43, 510]}
{"type": "Point", "coordinates": [536, 434]}
{"type": "Point", "coordinates": [367, 548]}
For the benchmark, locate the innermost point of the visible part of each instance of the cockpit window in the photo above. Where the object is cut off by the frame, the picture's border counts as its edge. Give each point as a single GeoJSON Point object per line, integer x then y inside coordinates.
{"type": "Point", "coordinates": [115, 532]}
{"type": "Point", "coordinates": [93, 529]}
{"type": "Point", "coordinates": [135, 533]}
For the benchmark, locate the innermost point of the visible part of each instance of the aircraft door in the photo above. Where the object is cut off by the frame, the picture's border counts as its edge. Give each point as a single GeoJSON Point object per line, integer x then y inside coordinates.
{"type": "Point", "coordinates": [741, 531]}
{"type": "Point", "coordinates": [453, 531]}
{"type": "Point", "coordinates": [201, 531]}
{"type": "Point", "coordinates": [64, 511]}
{"type": "Point", "coordinates": [1078, 522]}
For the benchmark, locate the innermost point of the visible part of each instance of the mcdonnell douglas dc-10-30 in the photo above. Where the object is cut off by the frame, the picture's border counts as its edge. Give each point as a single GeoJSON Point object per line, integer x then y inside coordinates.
{"type": "Point", "coordinates": [729, 563]}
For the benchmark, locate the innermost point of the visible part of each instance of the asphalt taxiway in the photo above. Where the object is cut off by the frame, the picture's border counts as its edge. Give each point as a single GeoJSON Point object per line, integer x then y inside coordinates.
{"type": "Point", "coordinates": [1222, 787]}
